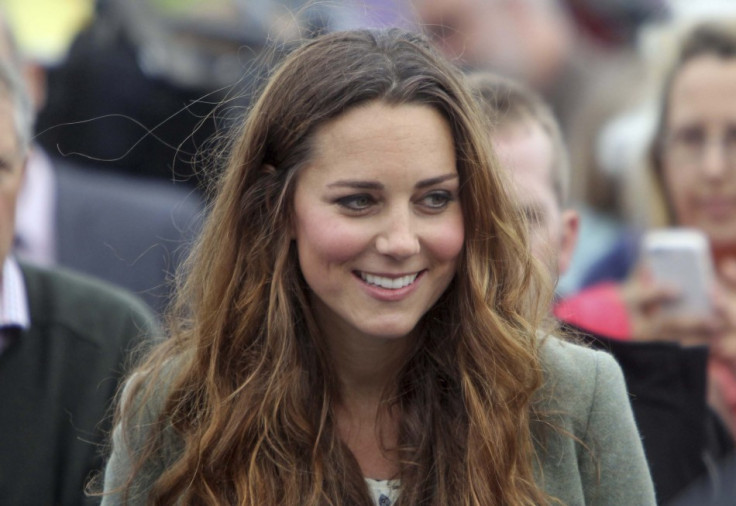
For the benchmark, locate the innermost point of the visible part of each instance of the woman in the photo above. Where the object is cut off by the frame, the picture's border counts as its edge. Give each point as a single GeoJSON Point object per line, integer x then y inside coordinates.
{"type": "Point", "coordinates": [693, 176]}
{"type": "Point", "coordinates": [357, 325]}
{"type": "Point", "coordinates": [694, 161]}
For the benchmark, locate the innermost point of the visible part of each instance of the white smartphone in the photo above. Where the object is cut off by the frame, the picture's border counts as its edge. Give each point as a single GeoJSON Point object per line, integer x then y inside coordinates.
{"type": "Point", "coordinates": [680, 257]}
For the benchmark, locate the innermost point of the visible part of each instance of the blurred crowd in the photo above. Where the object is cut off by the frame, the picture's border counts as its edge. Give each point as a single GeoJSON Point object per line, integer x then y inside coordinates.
{"type": "Point", "coordinates": [131, 100]}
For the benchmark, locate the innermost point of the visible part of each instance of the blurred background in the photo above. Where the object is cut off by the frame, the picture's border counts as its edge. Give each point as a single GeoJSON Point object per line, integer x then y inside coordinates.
{"type": "Point", "coordinates": [145, 86]}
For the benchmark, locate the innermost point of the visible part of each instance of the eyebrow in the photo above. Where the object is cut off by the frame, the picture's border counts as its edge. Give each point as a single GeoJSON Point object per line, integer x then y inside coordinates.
{"type": "Point", "coordinates": [375, 185]}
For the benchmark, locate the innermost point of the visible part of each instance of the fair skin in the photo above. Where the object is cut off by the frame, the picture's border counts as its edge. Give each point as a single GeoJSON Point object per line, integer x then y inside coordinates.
{"type": "Point", "coordinates": [703, 190]}
{"type": "Point", "coordinates": [701, 186]}
{"type": "Point", "coordinates": [379, 228]}
{"type": "Point", "coordinates": [529, 39]}
{"type": "Point", "coordinates": [527, 150]}
{"type": "Point", "coordinates": [699, 179]}
{"type": "Point", "coordinates": [12, 169]}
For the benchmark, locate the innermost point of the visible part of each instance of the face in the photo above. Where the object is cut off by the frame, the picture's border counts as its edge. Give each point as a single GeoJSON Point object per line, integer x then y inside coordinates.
{"type": "Point", "coordinates": [699, 159]}
{"type": "Point", "coordinates": [526, 149]}
{"type": "Point", "coordinates": [11, 175]}
{"type": "Point", "coordinates": [528, 39]}
{"type": "Point", "coordinates": [377, 219]}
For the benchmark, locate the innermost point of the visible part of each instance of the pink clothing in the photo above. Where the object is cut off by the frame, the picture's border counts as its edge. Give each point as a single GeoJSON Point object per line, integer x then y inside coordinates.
{"type": "Point", "coordinates": [598, 309]}
{"type": "Point", "coordinates": [724, 379]}
{"type": "Point", "coordinates": [601, 310]}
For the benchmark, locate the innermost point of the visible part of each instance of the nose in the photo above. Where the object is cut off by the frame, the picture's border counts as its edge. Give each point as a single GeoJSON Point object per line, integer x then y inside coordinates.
{"type": "Point", "coordinates": [715, 162]}
{"type": "Point", "coordinates": [399, 239]}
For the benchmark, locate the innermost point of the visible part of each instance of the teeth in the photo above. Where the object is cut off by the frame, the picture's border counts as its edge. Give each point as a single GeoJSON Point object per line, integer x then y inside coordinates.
{"type": "Point", "coordinates": [390, 283]}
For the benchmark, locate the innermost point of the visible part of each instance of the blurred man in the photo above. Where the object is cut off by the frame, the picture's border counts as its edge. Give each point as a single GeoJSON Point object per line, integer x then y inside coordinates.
{"type": "Point", "coordinates": [130, 231]}
{"type": "Point", "coordinates": [529, 40]}
{"type": "Point", "coordinates": [681, 435]}
{"type": "Point", "coordinates": [63, 345]}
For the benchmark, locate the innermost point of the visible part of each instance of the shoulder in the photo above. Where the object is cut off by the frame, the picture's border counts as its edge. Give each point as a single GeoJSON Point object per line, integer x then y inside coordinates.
{"type": "Point", "coordinates": [568, 366]}
{"type": "Point", "coordinates": [84, 305]}
{"type": "Point", "coordinates": [578, 380]}
{"type": "Point", "coordinates": [141, 404]}
{"type": "Point", "coordinates": [594, 446]}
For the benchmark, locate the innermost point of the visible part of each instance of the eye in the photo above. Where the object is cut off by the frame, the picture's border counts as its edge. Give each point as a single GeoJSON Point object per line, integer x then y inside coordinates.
{"type": "Point", "coordinates": [6, 164]}
{"type": "Point", "coordinates": [690, 137]}
{"type": "Point", "coordinates": [730, 136]}
{"type": "Point", "coordinates": [359, 202]}
{"type": "Point", "coordinates": [437, 200]}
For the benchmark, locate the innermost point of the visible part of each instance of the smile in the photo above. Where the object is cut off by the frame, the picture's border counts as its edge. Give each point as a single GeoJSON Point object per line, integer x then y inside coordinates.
{"type": "Point", "coordinates": [389, 283]}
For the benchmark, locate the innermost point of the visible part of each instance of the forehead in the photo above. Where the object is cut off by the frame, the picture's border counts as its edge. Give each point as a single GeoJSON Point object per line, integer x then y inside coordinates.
{"type": "Point", "coordinates": [378, 140]}
{"type": "Point", "coordinates": [368, 122]}
{"type": "Point", "coordinates": [525, 149]}
{"type": "Point", "coordinates": [705, 88]}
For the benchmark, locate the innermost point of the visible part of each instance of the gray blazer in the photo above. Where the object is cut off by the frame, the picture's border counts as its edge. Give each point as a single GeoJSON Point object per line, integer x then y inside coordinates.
{"type": "Point", "coordinates": [592, 456]}
{"type": "Point", "coordinates": [603, 463]}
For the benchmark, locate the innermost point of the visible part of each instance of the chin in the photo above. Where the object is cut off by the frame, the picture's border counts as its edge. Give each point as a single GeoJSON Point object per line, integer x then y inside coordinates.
{"type": "Point", "coordinates": [391, 331]}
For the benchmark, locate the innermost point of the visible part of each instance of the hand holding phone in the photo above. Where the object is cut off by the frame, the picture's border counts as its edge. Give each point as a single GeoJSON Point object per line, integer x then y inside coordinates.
{"type": "Point", "coordinates": [680, 258]}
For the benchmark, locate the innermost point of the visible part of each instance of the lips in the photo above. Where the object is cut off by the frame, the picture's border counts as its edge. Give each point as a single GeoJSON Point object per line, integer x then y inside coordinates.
{"type": "Point", "coordinates": [718, 207]}
{"type": "Point", "coordinates": [388, 282]}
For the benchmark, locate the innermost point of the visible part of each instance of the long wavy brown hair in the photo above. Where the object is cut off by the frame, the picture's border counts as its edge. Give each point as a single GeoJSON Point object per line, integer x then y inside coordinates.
{"type": "Point", "coordinates": [244, 389]}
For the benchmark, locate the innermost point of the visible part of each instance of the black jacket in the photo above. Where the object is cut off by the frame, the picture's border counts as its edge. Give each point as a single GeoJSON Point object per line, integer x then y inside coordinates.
{"type": "Point", "coordinates": [56, 383]}
{"type": "Point", "coordinates": [683, 438]}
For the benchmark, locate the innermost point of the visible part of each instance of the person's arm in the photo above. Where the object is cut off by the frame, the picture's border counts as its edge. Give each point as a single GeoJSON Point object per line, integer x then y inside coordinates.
{"type": "Point", "coordinates": [121, 485]}
{"type": "Point", "coordinates": [613, 468]}
{"type": "Point", "coordinates": [117, 470]}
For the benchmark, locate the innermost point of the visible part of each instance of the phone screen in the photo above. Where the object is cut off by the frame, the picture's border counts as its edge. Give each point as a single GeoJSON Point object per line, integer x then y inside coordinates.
{"type": "Point", "coordinates": [681, 258]}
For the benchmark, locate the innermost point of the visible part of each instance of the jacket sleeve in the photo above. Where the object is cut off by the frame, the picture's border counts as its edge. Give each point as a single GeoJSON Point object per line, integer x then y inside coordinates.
{"type": "Point", "coordinates": [613, 467]}
{"type": "Point", "coordinates": [127, 441]}
{"type": "Point", "coordinates": [116, 472]}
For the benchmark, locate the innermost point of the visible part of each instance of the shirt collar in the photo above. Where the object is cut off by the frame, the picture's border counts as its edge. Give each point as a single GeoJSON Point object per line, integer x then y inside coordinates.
{"type": "Point", "coordinates": [13, 297]}
{"type": "Point", "coordinates": [35, 234]}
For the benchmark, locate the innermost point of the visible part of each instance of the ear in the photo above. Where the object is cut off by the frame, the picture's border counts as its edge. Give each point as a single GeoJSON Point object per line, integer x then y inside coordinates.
{"type": "Point", "coordinates": [568, 238]}
{"type": "Point", "coordinates": [36, 79]}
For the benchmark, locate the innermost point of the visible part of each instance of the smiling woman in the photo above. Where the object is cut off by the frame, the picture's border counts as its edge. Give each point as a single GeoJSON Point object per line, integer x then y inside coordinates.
{"type": "Point", "coordinates": [378, 237]}
{"type": "Point", "coordinates": [359, 322]}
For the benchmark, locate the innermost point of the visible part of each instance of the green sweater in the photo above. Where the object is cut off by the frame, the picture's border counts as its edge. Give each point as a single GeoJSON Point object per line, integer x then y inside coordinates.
{"type": "Point", "coordinates": [593, 457]}
{"type": "Point", "coordinates": [57, 381]}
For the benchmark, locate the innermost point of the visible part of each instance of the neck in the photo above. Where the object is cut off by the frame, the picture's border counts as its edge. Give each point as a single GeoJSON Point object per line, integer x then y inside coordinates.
{"type": "Point", "coordinates": [366, 366]}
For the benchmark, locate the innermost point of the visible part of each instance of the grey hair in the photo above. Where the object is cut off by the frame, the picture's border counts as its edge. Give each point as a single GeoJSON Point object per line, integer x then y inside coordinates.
{"type": "Point", "coordinates": [13, 86]}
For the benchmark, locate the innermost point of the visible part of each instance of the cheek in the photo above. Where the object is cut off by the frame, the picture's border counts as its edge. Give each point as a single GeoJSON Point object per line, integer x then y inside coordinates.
{"type": "Point", "coordinates": [677, 188]}
{"type": "Point", "coordinates": [326, 238]}
{"type": "Point", "coordinates": [9, 189]}
{"type": "Point", "coordinates": [447, 239]}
